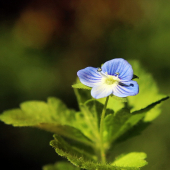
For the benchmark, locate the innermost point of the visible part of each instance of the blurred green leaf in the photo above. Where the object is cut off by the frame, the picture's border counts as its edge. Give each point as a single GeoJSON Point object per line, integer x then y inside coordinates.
{"type": "Point", "coordinates": [115, 103]}
{"type": "Point", "coordinates": [123, 121]}
{"type": "Point", "coordinates": [148, 92]}
{"type": "Point", "coordinates": [82, 95]}
{"type": "Point", "coordinates": [133, 159]}
{"type": "Point", "coordinates": [81, 158]}
{"type": "Point", "coordinates": [142, 124]}
{"type": "Point", "coordinates": [80, 86]}
{"type": "Point", "coordinates": [60, 166]}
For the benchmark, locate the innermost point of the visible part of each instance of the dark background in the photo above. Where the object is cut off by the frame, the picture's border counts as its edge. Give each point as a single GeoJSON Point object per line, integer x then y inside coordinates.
{"type": "Point", "coordinates": [43, 43]}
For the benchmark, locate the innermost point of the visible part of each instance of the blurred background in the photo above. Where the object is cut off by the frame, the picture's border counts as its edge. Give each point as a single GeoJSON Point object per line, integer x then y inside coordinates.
{"type": "Point", "coordinates": [43, 43]}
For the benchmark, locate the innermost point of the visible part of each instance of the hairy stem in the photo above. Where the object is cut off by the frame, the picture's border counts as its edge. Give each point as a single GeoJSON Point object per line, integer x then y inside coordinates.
{"type": "Point", "coordinates": [102, 149]}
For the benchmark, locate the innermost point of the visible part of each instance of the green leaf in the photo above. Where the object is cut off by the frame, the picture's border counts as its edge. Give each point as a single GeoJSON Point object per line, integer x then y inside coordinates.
{"type": "Point", "coordinates": [91, 110]}
{"type": "Point", "coordinates": [82, 95]}
{"type": "Point", "coordinates": [115, 103]}
{"type": "Point", "coordinates": [114, 123]}
{"type": "Point", "coordinates": [148, 92]}
{"type": "Point", "coordinates": [119, 124]}
{"type": "Point", "coordinates": [133, 159]}
{"type": "Point", "coordinates": [66, 131]}
{"type": "Point", "coordinates": [136, 123]}
{"type": "Point", "coordinates": [140, 124]}
{"type": "Point", "coordinates": [52, 116]}
{"type": "Point", "coordinates": [81, 158]}
{"type": "Point", "coordinates": [90, 113]}
{"type": "Point", "coordinates": [35, 112]}
{"type": "Point", "coordinates": [151, 106]}
{"type": "Point", "coordinates": [95, 108]}
{"type": "Point", "coordinates": [81, 86]}
{"type": "Point", "coordinates": [60, 166]}
{"type": "Point", "coordinates": [71, 152]}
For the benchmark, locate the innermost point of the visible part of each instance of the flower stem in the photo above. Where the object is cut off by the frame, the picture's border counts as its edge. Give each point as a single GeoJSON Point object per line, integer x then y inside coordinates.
{"type": "Point", "coordinates": [102, 150]}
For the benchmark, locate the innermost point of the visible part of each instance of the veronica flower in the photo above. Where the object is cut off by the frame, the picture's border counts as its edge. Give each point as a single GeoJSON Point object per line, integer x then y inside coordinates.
{"type": "Point", "coordinates": [113, 78]}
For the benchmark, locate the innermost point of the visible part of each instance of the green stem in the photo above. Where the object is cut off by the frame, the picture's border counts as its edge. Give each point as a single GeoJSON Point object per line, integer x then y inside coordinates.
{"type": "Point", "coordinates": [102, 150]}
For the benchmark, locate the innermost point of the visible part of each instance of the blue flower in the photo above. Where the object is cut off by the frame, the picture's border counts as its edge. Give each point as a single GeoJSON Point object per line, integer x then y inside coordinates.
{"type": "Point", "coordinates": [113, 78]}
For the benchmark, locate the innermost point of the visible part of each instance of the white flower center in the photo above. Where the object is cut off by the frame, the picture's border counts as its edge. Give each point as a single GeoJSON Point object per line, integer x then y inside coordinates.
{"type": "Point", "coordinates": [110, 80]}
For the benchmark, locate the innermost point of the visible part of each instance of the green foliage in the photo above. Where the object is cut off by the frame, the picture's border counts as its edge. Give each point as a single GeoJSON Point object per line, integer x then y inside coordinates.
{"type": "Point", "coordinates": [125, 118]}
{"type": "Point", "coordinates": [132, 159]}
{"type": "Point", "coordinates": [52, 116]}
{"type": "Point", "coordinates": [80, 86]}
{"type": "Point", "coordinates": [83, 160]}
{"type": "Point", "coordinates": [60, 166]}
{"type": "Point", "coordinates": [148, 92]}
{"type": "Point", "coordinates": [114, 124]}
{"type": "Point", "coordinates": [120, 123]}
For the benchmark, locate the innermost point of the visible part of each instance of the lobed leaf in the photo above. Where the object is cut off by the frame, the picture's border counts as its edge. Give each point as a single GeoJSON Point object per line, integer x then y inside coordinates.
{"type": "Point", "coordinates": [114, 123]}
{"type": "Point", "coordinates": [92, 111]}
{"type": "Point", "coordinates": [52, 116]}
{"type": "Point", "coordinates": [71, 152]}
{"type": "Point", "coordinates": [82, 159]}
{"type": "Point", "coordinates": [95, 108]}
{"type": "Point", "coordinates": [133, 159]}
{"type": "Point", "coordinates": [123, 121]}
{"type": "Point", "coordinates": [148, 92]}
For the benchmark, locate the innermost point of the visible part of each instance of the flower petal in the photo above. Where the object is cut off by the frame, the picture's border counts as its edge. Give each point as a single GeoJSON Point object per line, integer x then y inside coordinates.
{"type": "Point", "coordinates": [120, 66]}
{"type": "Point", "coordinates": [89, 76]}
{"type": "Point", "coordinates": [128, 88]}
{"type": "Point", "coordinates": [101, 91]}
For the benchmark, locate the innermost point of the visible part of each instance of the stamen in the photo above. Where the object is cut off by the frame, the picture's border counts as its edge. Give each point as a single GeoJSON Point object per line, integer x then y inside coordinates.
{"type": "Point", "coordinates": [100, 71]}
{"type": "Point", "coordinates": [117, 74]}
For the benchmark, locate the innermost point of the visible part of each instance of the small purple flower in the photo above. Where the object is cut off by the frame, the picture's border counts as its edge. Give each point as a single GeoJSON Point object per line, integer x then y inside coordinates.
{"type": "Point", "coordinates": [114, 77]}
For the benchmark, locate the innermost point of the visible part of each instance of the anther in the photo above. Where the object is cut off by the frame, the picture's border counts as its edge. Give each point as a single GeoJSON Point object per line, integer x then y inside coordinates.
{"type": "Point", "coordinates": [117, 74]}
{"type": "Point", "coordinates": [99, 69]}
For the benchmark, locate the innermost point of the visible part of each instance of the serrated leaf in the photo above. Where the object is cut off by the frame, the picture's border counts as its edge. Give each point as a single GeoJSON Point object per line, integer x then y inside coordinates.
{"type": "Point", "coordinates": [148, 92]}
{"type": "Point", "coordinates": [66, 131]}
{"type": "Point", "coordinates": [66, 150]}
{"type": "Point", "coordinates": [80, 158]}
{"type": "Point", "coordinates": [52, 116]}
{"type": "Point", "coordinates": [95, 109]}
{"type": "Point", "coordinates": [141, 123]}
{"type": "Point", "coordinates": [81, 86]}
{"type": "Point", "coordinates": [60, 166]}
{"type": "Point", "coordinates": [119, 124]}
{"type": "Point", "coordinates": [133, 159]}
{"type": "Point", "coordinates": [113, 124]}
{"type": "Point", "coordinates": [91, 110]}
{"type": "Point", "coordinates": [138, 117]}
{"type": "Point", "coordinates": [134, 131]}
